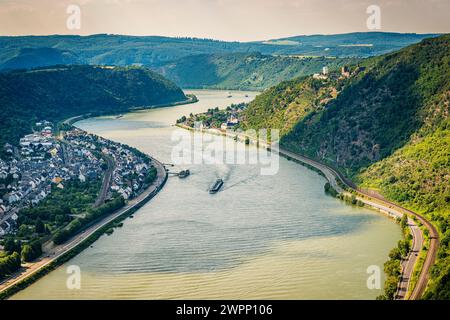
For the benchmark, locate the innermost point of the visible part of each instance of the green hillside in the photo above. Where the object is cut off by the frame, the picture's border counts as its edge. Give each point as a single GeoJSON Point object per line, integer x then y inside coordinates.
{"type": "Point", "coordinates": [284, 105]}
{"type": "Point", "coordinates": [28, 58]}
{"type": "Point", "coordinates": [61, 92]}
{"type": "Point", "coordinates": [250, 71]}
{"type": "Point", "coordinates": [386, 126]}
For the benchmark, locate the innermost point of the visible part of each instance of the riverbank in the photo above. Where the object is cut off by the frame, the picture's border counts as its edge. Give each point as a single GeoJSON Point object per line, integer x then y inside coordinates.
{"type": "Point", "coordinates": [191, 99]}
{"type": "Point", "coordinates": [55, 255]}
{"type": "Point", "coordinates": [68, 250]}
{"type": "Point", "coordinates": [344, 186]}
{"type": "Point", "coordinates": [246, 242]}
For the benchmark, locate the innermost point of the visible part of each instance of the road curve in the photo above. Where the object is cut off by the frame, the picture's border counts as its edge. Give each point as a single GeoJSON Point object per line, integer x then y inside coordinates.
{"type": "Point", "coordinates": [430, 258]}
{"type": "Point", "coordinates": [408, 264]}
{"type": "Point", "coordinates": [394, 210]}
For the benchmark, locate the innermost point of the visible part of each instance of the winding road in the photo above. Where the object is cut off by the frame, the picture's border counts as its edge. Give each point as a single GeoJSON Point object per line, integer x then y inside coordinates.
{"type": "Point", "coordinates": [395, 211]}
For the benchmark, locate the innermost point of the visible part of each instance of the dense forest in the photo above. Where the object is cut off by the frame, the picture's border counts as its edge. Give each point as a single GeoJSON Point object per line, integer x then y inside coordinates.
{"type": "Point", "coordinates": [61, 92]}
{"type": "Point", "coordinates": [386, 126]}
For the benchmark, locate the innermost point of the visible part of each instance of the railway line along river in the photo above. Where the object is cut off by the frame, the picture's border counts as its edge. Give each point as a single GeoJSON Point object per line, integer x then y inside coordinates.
{"type": "Point", "coordinates": [261, 237]}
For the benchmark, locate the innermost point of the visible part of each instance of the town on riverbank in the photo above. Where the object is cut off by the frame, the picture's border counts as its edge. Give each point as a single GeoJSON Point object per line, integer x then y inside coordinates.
{"type": "Point", "coordinates": [57, 181]}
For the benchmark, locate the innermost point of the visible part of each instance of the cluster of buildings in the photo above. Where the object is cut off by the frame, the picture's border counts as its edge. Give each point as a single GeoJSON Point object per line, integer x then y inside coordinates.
{"type": "Point", "coordinates": [39, 162]}
{"type": "Point", "coordinates": [232, 121]}
{"type": "Point", "coordinates": [129, 173]}
{"type": "Point", "coordinates": [345, 72]}
{"type": "Point", "coordinates": [36, 147]}
{"type": "Point", "coordinates": [223, 120]}
{"type": "Point", "coordinates": [130, 169]}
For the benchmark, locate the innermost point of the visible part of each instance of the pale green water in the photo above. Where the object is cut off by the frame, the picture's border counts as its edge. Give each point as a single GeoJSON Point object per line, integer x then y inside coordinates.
{"type": "Point", "coordinates": [267, 237]}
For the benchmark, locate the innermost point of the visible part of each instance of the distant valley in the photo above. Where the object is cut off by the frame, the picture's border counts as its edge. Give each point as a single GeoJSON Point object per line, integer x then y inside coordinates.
{"type": "Point", "coordinates": [204, 63]}
{"type": "Point", "coordinates": [253, 71]}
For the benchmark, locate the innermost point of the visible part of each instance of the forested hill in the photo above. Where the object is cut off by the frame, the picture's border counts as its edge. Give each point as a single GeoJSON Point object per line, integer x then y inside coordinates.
{"type": "Point", "coordinates": [60, 92]}
{"type": "Point", "coordinates": [380, 109]}
{"type": "Point", "coordinates": [386, 126]}
{"type": "Point", "coordinates": [355, 120]}
{"type": "Point", "coordinates": [247, 71]}
{"type": "Point", "coordinates": [29, 58]}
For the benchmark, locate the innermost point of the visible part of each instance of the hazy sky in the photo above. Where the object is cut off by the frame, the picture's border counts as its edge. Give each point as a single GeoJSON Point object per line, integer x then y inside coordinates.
{"type": "Point", "coordinates": [241, 20]}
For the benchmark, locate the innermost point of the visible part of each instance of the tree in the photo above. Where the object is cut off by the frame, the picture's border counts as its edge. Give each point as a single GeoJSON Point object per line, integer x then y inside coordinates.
{"type": "Point", "coordinates": [61, 236]}
{"type": "Point", "coordinates": [12, 246]}
{"type": "Point", "coordinates": [27, 253]}
{"type": "Point", "coordinates": [404, 247]}
{"type": "Point", "coordinates": [39, 226]}
{"type": "Point", "coordinates": [395, 254]}
{"type": "Point", "coordinates": [330, 190]}
{"type": "Point", "coordinates": [404, 222]}
{"type": "Point", "coordinates": [9, 264]}
{"type": "Point", "coordinates": [31, 251]}
{"type": "Point", "coordinates": [182, 119]}
{"type": "Point", "coordinates": [390, 287]}
{"type": "Point", "coordinates": [23, 231]}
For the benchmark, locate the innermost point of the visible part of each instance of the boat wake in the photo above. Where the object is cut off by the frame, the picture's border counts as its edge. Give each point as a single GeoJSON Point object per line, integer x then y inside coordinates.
{"type": "Point", "coordinates": [233, 183]}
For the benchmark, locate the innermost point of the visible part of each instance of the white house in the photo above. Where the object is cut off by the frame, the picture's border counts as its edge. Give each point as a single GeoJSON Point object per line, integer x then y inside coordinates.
{"type": "Point", "coordinates": [3, 174]}
{"type": "Point", "coordinates": [13, 197]}
{"type": "Point", "coordinates": [233, 119]}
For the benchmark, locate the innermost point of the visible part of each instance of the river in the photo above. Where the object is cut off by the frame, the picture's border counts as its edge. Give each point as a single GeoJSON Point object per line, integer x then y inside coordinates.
{"type": "Point", "coordinates": [262, 237]}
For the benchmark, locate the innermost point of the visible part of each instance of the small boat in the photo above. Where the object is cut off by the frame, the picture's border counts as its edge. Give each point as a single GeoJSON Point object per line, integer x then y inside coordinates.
{"type": "Point", "coordinates": [119, 116]}
{"type": "Point", "coordinates": [216, 187]}
{"type": "Point", "coordinates": [184, 174]}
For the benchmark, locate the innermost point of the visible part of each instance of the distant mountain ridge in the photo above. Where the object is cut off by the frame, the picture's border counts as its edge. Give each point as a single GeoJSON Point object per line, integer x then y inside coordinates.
{"type": "Point", "coordinates": [373, 37]}
{"type": "Point", "coordinates": [103, 49]}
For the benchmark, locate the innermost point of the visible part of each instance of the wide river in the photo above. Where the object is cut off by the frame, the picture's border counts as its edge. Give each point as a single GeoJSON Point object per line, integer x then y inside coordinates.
{"type": "Point", "coordinates": [262, 237]}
